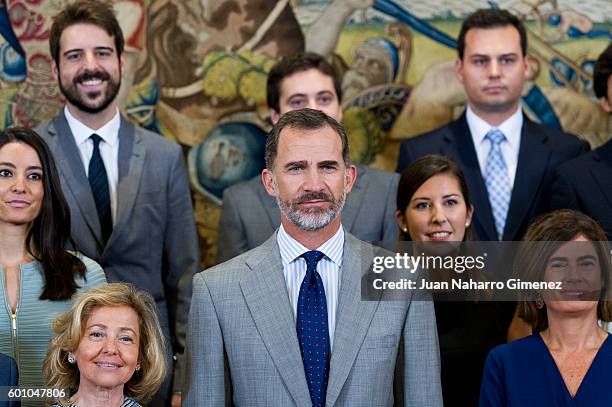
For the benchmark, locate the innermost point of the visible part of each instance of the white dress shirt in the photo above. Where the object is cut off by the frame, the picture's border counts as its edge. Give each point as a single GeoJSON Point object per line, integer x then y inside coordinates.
{"type": "Point", "coordinates": [509, 147]}
{"type": "Point", "coordinates": [329, 268]}
{"type": "Point", "coordinates": [109, 150]}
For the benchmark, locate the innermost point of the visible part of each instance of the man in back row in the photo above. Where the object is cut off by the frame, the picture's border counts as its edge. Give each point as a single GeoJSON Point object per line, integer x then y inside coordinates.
{"type": "Point", "coordinates": [249, 215]}
{"type": "Point", "coordinates": [507, 159]}
{"type": "Point", "coordinates": [584, 183]}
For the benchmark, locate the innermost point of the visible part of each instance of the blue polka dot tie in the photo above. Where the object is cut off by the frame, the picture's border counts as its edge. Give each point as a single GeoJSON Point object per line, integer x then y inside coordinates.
{"type": "Point", "coordinates": [497, 181]}
{"type": "Point", "coordinates": [312, 329]}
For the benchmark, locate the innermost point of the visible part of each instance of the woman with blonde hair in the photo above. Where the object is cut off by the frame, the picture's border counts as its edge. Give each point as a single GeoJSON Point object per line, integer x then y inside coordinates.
{"type": "Point", "coordinates": [109, 350]}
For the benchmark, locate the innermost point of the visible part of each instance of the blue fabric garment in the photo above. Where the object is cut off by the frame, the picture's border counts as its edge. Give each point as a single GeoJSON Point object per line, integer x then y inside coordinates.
{"type": "Point", "coordinates": [523, 373]}
{"type": "Point", "coordinates": [312, 329]}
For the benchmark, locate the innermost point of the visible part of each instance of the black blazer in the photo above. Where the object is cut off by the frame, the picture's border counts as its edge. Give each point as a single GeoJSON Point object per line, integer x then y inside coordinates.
{"type": "Point", "coordinates": [541, 151]}
{"type": "Point", "coordinates": [585, 184]}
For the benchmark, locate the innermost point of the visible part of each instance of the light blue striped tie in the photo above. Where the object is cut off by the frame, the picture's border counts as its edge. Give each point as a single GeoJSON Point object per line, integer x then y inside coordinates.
{"type": "Point", "coordinates": [497, 181]}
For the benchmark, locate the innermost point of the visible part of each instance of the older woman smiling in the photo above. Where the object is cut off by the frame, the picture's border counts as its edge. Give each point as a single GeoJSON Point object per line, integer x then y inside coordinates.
{"type": "Point", "coordinates": [109, 349]}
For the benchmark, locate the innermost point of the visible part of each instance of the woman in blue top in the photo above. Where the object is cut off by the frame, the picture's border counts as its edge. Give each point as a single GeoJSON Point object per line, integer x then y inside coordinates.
{"type": "Point", "coordinates": [568, 359]}
{"type": "Point", "coordinates": [38, 277]}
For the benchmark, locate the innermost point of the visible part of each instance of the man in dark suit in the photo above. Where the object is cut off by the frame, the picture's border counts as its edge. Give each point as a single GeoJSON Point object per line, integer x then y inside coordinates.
{"type": "Point", "coordinates": [127, 188]}
{"type": "Point", "coordinates": [585, 182]}
{"type": "Point", "coordinates": [9, 377]}
{"type": "Point", "coordinates": [508, 160]}
{"type": "Point", "coordinates": [249, 215]}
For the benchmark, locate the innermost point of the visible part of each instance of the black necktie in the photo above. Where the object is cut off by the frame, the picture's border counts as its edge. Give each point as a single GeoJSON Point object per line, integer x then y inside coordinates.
{"type": "Point", "coordinates": [98, 182]}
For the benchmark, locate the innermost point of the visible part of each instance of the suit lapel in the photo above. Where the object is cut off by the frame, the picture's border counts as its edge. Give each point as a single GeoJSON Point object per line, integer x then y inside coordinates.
{"type": "Point", "coordinates": [353, 316]}
{"type": "Point", "coordinates": [353, 200]}
{"type": "Point", "coordinates": [460, 140]}
{"type": "Point", "coordinates": [265, 293]}
{"type": "Point", "coordinates": [532, 163]}
{"type": "Point", "coordinates": [602, 172]}
{"type": "Point", "coordinates": [131, 161]}
{"type": "Point", "coordinates": [70, 164]}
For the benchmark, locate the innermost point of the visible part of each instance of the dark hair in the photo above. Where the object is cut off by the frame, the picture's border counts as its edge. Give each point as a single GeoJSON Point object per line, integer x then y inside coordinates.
{"type": "Point", "coordinates": [601, 73]}
{"type": "Point", "coordinates": [419, 172]}
{"type": "Point", "coordinates": [303, 119]}
{"type": "Point", "coordinates": [289, 65]}
{"type": "Point", "coordinates": [49, 234]}
{"type": "Point", "coordinates": [545, 235]}
{"type": "Point", "coordinates": [98, 13]}
{"type": "Point", "coordinates": [491, 18]}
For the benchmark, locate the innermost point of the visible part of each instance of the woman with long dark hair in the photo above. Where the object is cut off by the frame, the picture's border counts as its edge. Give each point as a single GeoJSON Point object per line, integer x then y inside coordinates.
{"type": "Point", "coordinates": [434, 211]}
{"type": "Point", "coordinates": [38, 276]}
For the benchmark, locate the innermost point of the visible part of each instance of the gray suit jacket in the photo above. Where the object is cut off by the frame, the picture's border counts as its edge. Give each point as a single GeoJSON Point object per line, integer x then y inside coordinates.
{"type": "Point", "coordinates": [249, 215]}
{"type": "Point", "coordinates": [242, 344]}
{"type": "Point", "coordinates": [154, 243]}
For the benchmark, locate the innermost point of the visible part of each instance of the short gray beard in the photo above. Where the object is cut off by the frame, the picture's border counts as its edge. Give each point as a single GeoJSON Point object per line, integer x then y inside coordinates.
{"type": "Point", "coordinates": [314, 218]}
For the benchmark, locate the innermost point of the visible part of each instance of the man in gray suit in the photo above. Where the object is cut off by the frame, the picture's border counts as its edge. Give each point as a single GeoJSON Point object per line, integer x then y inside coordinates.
{"type": "Point", "coordinates": [285, 324]}
{"type": "Point", "coordinates": [127, 188]}
{"type": "Point", "coordinates": [249, 215]}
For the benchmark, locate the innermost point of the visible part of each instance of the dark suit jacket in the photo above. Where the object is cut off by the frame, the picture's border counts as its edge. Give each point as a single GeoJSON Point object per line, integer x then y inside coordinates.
{"type": "Point", "coordinates": [249, 215]}
{"type": "Point", "coordinates": [585, 184]}
{"type": "Point", "coordinates": [154, 242]}
{"type": "Point", "coordinates": [9, 376]}
{"type": "Point", "coordinates": [541, 151]}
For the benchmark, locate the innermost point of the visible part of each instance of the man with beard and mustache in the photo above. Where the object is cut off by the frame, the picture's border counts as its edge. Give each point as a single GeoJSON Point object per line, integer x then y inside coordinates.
{"type": "Point", "coordinates": [249, 215]}
{"type": "Point", "coordinates": [285, 323]}
{"type": "Point", "coordinates": [127, 188]}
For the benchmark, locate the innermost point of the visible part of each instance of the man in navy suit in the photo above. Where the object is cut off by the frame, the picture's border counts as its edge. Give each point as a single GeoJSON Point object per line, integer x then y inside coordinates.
{"type": "Point", "coordinates": [508, 160]}
{"type": "Point", "coordinates": [9, 377]}
{"type": "Point", "coordinates": [584, 183]}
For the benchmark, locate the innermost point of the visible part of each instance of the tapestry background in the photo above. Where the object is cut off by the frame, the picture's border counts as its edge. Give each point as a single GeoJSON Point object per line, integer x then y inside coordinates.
{"type": "Point", "coordinates": [196, 70]}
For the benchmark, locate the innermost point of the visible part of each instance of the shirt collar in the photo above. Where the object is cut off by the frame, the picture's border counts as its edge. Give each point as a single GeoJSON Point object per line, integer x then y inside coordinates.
{"type": "Point", "coordinates": [511, 127]}
{"type": "Point", "coordinates": [109, 132]}
{"type": "Point", "coordinates": [291, 249]}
